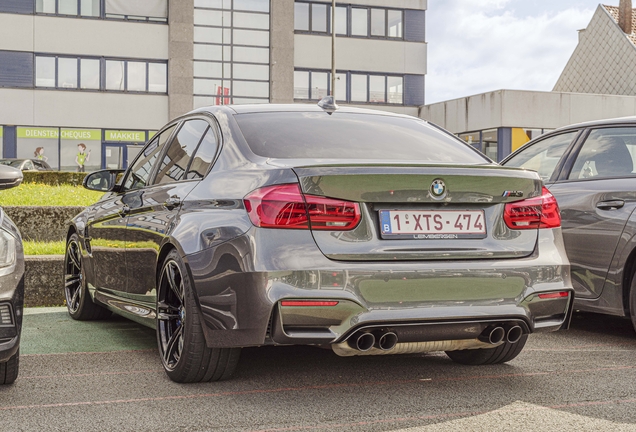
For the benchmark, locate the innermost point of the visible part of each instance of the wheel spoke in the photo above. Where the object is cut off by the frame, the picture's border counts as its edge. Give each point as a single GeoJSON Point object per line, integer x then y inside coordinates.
{"type": "Point", "coordinates": [71, 280]}
{"type": "Point", "coordinates": [163, 306]}
{"type": "Point", "coordinates": [172, 346]}
{"type": "Point", "coordinates": [74, 300]}
{"type": "Point", "coordinates": [167, 316]}
{"type": "Point", "coordinates": [73, 255]}
{"type": "Point", "coordinates": [172, 275]}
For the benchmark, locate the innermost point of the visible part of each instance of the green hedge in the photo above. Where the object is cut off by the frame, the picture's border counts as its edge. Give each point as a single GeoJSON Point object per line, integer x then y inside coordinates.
{"type": "Point", "coordinates": [54, 178]}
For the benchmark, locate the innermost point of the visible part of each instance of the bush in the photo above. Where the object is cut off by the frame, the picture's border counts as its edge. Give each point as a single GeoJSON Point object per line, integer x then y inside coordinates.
{"type": "Point", "coordinates": [54, 178]}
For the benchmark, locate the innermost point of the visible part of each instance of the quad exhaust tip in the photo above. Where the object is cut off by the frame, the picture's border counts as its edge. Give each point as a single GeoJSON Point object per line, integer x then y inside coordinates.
{"type": "Point", "coordinates": [382, 340]}
{"type": "Point", "coordinates": [514, 334]}
{"type": "Point", "coordinates": [494, 335]}
{"type": "Point", "coordinates": [362, 341]}
{"type": "Point", "coordinates": [386, 341]}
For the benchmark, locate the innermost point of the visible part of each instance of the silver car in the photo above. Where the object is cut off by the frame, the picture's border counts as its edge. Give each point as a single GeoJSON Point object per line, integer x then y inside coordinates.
{"type": "Point", "coordinates": [590, 169]}
{"type": "Point", "coordinates": [11, 285]}
{"type": "Point", "coordinates": [367, 232]}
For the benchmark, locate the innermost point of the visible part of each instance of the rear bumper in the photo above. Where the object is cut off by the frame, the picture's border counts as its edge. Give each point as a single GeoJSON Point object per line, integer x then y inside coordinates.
{"type": "Point", "coordinates": [240, 288]}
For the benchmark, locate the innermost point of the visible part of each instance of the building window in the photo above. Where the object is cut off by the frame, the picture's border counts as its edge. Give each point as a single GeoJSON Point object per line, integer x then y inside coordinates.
{"type": "Point", "coordinates": [352, 87]}
{"type": "Point", "coordinates": [365, 21]}
{"type": "Point", "coordinates": [137, 10]}
{"type": "Point", "coordinates": [85, 73]}
{"type": "Point", "coordinates": [231, 52]}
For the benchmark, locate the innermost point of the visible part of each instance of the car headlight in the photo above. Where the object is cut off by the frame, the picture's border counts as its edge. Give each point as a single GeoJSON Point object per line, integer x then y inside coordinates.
{"type": "Point", "coordinates": [7, 249]}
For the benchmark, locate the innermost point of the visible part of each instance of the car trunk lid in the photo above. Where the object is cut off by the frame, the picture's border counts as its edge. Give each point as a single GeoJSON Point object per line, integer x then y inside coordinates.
{"type": "Point", "coordinates": [423, 212]}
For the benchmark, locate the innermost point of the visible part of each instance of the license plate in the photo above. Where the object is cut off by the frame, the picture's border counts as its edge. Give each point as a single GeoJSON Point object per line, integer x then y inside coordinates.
{"type": "Point", "coordinates": [432, 225]}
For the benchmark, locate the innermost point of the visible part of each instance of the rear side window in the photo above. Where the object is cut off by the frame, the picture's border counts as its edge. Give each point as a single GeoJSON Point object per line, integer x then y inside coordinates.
{"type": "Point", "coordinates": [606, 153]}
{"type": "Point", "coordinates": [176, 160]}
{"type": "Point", "coordinates": [544, 155]}
{"type": "Point", "coordinates": [318, 135]}
{"type": "Point", "coordinates": [204, 156]}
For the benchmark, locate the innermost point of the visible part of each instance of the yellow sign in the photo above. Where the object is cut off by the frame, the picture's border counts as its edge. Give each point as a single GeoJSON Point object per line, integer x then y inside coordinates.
{"type": "Point", "coordinates": [82, 134]}
{"type": "Point", "coordinates": [1, 130]}
{"type": "Point", "coordinates": [126, 136]}
{"type": "Point", "coordinates": [38, 133]}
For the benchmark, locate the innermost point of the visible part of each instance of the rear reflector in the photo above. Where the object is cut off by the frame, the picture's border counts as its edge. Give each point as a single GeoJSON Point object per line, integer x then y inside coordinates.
{"type": "Point", "coordinates": [285, 206]}
{"type": "Point", "coordinates": [5, 315]}
{"type": "Point", "coordinates": [533, 213]}
{"type": "Point", "coordinates": [308, 303]}
{"type": "Point", "coordinates": [554, 295]}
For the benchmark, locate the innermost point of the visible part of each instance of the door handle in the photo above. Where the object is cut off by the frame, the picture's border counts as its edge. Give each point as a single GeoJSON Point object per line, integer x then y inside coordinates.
{"type": "Point", "coordinates": [172, 202]}
{"type": "Point", "coordinates": [124, 210]}
{"type": "Point", "coordinates": [610, 205]}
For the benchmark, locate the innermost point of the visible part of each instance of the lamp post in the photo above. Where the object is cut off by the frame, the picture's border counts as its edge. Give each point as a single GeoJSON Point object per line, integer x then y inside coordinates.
{"type": "Point", "coordinates": [333, 50]}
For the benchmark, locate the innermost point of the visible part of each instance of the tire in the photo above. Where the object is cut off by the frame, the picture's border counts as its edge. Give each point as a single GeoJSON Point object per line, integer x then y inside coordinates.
{"type": "Point", "coordinates": [182, 347]}
{"type": "Point", "coordinates": [632, 301]}
{"type": "Point", "coordinates": [9, 369]}
{"type": "Point", "coordinates": [501, 354]}
{"type": "Point", "coordinates": [79, 304]}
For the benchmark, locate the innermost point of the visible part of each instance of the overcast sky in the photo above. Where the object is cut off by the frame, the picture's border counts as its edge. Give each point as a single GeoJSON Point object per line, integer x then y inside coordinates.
{"type": "Point", "coordinates": [475, 46]}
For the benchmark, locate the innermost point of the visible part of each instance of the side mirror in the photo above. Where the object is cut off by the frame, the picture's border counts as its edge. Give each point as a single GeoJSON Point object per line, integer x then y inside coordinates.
{"type": "Point", "coordinates": [10, 177]}
{"type": "Point", "coordinates": [102, 181]}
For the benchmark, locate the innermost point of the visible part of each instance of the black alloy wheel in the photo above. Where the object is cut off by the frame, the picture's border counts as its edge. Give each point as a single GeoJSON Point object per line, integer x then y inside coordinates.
{"type": "Point", "coordinates": [79, 304]}
{"type": "Point", "coordinates": [171, 314]}
{"type": "Point", "coordinates": [185, 356]}
{"type": "Point", "coordinates": [73, 276]}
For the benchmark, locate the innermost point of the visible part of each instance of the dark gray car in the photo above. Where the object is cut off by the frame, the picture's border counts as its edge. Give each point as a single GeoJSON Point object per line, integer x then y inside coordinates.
{"type": "Point", "coordinates": [366, 232]}
{"type": "Point", "coordinates": [590, 169]}
{"type": "Point", "coordinates": [11, 285]}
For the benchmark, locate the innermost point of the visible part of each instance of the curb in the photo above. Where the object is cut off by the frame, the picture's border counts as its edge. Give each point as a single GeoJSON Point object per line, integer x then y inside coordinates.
{"type": "Point", "coordinates": [43, 277]}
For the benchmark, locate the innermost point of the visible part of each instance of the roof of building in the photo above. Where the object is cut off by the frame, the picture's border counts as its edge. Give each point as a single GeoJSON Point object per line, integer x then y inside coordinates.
{"type": "Point", "coordinates": [613, 11]}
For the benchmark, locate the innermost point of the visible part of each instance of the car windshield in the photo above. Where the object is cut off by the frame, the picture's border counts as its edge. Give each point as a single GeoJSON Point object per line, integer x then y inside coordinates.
{"type": "Point", "coordinates": [13, 163]}
{"type": "Point", "coordinates": [319, 135]}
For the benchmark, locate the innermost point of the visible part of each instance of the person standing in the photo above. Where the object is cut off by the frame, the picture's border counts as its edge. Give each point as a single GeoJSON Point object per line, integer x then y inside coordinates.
{"type": "Point", "coordinates": [82, 157]}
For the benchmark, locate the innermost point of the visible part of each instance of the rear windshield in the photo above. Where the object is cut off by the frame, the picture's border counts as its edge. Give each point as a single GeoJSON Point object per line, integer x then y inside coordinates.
{"type": "Point", "coordinates": [300, 135]}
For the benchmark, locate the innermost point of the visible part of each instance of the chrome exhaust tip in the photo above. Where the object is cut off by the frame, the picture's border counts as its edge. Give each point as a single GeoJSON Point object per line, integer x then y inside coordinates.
{"type": "Point", "coordinates": [362, 341]}
{"type": "Point", "coordinates": [386, 341]}
{"type": "Point", "coordinates": [493, 335]}
{"type": "Point", "coordinates": [514, 334]}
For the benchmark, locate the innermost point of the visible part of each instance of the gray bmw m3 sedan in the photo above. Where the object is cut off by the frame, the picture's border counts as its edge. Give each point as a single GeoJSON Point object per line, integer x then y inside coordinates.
{"type": "Point", "coordinates": [367, 232]}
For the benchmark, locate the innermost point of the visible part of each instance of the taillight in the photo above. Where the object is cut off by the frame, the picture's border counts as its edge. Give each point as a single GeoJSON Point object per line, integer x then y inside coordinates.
{"type": "Point", "coordinates": [533, 213]}
{"type": "Point", "coordinates": [285, 206]}
{"type": "Point", "coordinates": [554, 295]}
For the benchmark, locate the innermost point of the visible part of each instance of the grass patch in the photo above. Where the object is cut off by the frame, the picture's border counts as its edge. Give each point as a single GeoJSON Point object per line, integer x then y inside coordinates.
{"type": "Point", "coordinates": [38, 194]}
{"type": "Point", "coordinates": [44, 248]}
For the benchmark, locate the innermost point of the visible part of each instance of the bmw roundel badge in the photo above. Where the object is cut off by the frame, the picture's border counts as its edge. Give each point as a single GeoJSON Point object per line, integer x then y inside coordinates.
{"type": "Point", "coordinates": [438, 189]}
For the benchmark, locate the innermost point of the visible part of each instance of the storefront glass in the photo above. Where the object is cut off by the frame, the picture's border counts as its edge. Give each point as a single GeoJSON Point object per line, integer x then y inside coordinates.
{"type": "Point", "coordinates": [80, 150]}
{"type": "Point", "coordinates": [489, 143]}
{"type": "Point", "coordinates": [39, 143]}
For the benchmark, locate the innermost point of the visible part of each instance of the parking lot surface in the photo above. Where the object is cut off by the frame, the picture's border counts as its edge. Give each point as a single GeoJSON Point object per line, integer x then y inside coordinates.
{"type": "Point", "coordinates": [108, 376]}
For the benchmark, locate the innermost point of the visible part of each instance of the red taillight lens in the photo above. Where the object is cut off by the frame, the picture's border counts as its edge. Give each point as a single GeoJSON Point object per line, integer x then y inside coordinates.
{"type": "Point", "coordinates": [533, 213]}
{"type": "Point", "coordinates": [284, 206]}
{"type": "Point", "coordinates": [308, 303]}
{"type": "Point", "coordinates": [554, 295]}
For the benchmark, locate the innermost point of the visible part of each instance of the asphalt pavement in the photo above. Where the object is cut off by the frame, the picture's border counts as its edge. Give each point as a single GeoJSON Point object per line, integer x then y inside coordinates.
{"type": "Point", "coordinates": [101, 376]}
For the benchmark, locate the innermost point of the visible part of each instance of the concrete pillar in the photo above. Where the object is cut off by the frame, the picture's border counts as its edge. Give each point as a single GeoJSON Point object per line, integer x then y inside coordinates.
{"type": "Point", "coordinates": [504, 143]}
{"type": "Point", "coordinates": [181, 53]}
{"type": "Point", "coordinates": [282, 51]}
{"type": "Point", "coordinates": [625, 16]}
